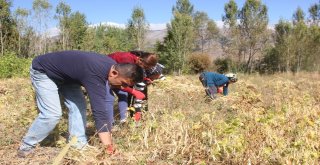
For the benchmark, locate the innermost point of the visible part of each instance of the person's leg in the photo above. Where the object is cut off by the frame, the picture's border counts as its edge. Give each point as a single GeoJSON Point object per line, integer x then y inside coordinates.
{"type": "Point", "coordinates": [76, 104]}
{"type": "Point", "coordinates": [122, 104]}
{"type": "Point", "coordinates": [212, 92]}
{"type": "Point", "coordinates": [130, 101]}
{"type": "Point", "coordinates": [48, 102]}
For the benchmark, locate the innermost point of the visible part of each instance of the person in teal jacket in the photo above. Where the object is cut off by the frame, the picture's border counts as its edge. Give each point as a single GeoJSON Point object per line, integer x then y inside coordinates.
{"type": "Point", "coordinates": [213, 82]}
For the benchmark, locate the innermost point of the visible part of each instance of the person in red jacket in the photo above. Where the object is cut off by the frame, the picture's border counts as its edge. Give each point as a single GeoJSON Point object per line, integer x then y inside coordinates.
{"type": "Point", "coordinates": [136, 105]}
{"type": "Point", "coordinates": [145, 60]}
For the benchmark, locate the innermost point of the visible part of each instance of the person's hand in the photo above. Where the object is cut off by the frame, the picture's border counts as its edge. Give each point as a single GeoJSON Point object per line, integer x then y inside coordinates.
{"type": "Point", "coordinates": [137, 94]}
{"type": "Point", "coordinates": [220, 89]}
{"type": "Point", "coordinates": [147, 80]}
{"type": "Point", "coordinates": [137, 116]}
{"type": "Point", "coordinates": [110, 149]}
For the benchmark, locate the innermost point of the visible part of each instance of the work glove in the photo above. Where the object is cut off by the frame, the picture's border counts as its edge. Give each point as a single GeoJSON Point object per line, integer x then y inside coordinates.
{"type": "Point", "coordinates": [220, 89]}
{"type": "Point", "coordinates": [137, 94]}
{"type": "Point", "coordinates": [137, 116]}
{"type": "Point", "coordinates": [110, 149]}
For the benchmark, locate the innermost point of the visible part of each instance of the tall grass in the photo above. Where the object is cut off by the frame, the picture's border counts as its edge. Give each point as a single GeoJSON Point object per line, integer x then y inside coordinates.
{"type": "Point", "coordinates": [264, 120]}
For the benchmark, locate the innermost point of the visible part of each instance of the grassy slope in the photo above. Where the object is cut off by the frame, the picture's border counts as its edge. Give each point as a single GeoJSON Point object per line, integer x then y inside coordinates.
{"type": "Point", "coordinates": [271, 119]}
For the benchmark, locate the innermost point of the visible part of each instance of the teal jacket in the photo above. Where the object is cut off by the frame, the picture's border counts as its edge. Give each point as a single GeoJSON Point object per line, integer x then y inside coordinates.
{"type": "Point", "coordinates": [218, 80]}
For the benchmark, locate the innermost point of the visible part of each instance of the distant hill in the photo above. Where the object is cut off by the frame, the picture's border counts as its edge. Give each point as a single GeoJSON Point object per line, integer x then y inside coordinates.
{"type": "Point", "coordinates": [211, 48]}
{"type": "Point", "coordinates": [155, 35]}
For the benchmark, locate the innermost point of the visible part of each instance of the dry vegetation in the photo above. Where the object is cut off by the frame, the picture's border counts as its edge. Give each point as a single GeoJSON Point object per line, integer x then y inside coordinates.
{"type": "Point", "coordinates": [264, 120]}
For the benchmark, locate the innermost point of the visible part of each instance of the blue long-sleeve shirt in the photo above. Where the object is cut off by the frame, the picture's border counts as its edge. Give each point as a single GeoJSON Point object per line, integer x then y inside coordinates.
{"type": "Point", "coordinates": [85, 68]}
{"type": "Point", "coordinates": [218, 80]}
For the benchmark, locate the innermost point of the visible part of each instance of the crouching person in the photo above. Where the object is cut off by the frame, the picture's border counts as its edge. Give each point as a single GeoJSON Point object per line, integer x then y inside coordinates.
{"type": "Point", "coordinates": [64, 73]}
{"type": "Point", "coordinates": [216, 83]}
{"type": "Point", "coordinates": [136, 105]}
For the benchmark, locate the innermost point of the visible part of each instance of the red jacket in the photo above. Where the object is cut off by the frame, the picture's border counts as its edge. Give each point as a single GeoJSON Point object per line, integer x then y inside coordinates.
{"type": "Point", "coordinates": [124, 57]}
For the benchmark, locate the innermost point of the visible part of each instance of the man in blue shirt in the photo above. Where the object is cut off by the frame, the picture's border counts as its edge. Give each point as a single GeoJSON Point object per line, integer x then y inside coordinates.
{"type": "Point", "coordinates": [64, 73]}
{"type": "Point", "coordinates": [213, 81]}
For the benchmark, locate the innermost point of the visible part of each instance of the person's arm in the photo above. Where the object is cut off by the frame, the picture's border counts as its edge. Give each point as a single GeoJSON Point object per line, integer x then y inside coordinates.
{"type": "Point", "coordinates": [137, 94]}
{"type": "Point", "coordinates": [103, 117]}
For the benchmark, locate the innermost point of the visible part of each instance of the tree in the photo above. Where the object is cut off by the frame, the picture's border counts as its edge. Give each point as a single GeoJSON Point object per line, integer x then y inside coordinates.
{"type": "Point", "coordinates": [205, 30]}
{"type": "Point", "coordinates": [253, 27]}
{"type": "Point", "coordinates": [28, 42]}
{"type": "Point", "coordinates": [42, 15]}
{"type": "Point", "coordinates": [137, 28]}
{"type": "Point", "coordinates": [89, 37]}
{"type": "Point", "coordinates": [99, 37]}
{"type": "Point", "coordinates": [230, 17]}
{"type": "Point", "coordinates": [63, 14]}
{"type": "Point", "coordinates": [77, 31]}
{"type": "Point", "coordinates": [116, 39]}
{"type": "Point", "coordinates": [179, 40]}
{"type": "Point", "coordinates": [21, 16]}
{"type": "Point", "coordinates": [231, 42]}
{"type": "Point", "coordinates": [183, 7]}
{"type": "Point", "coordinates": [314, 11]}
{"type": "Point", "coordinates": [312, 61]}
{"type": "Point", "coordinates": [6, 26]}
{"type": "Point", "coordinates": [212, 30]}
{"type": "Point", "coordinates": [283, 49]}
{"type": "Point", "coordinates": [298, 16]}
{"type": "Point", "coordinates": [299, 39]}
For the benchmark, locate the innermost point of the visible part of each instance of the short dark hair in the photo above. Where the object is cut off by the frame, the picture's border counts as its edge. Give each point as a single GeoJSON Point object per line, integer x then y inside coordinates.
{"type": "Point", "coordinates": [132, 71]}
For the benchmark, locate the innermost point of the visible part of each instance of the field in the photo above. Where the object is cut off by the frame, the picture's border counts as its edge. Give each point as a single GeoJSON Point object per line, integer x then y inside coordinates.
{"type": "Point", "coordinates": [264, 120]}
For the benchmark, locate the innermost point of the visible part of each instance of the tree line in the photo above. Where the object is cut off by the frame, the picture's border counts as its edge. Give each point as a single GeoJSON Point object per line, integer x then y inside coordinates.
{"type": "Point", "coordinates": [247, 42]}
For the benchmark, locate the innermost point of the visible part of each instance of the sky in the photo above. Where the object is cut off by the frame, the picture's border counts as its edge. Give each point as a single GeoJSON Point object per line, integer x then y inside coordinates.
{"type": "Point", "coordinates": [159, 12]}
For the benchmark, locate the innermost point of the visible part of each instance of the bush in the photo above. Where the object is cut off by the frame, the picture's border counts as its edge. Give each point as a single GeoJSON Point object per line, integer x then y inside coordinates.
{"type": "Point", "coordinates": [270, 62]}
{"type": "Point", "coordinates": [223, 65]}
{"type": "Point", "coordinates": [199, 62]}
{"type": "Point", "coordinates": [12, 66]}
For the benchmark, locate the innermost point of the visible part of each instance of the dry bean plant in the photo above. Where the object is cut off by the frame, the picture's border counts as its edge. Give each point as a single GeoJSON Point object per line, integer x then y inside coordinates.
{"type": "Point", "coordinates": [271, 119]}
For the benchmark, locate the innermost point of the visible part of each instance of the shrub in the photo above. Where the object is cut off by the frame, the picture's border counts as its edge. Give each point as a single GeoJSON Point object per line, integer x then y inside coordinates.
{"type": "Point", "coordinates": [199, 62]}
{"type": "Point", "coordinates": [270, 62]}
{"type": "Point", "coordinates": [12, 66]}
{"type": "Point", "coordinates": [223, 65]}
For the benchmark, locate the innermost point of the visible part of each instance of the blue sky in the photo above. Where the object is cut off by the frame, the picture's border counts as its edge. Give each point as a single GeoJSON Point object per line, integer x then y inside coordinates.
{"type": "Point", "coordinates": [159, 11]}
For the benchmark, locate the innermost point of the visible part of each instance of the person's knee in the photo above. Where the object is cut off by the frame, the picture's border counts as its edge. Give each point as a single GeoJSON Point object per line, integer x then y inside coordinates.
{"type": "Point", "coordinates": [79, 105]}
{"type": "Point", "coordinates": [53, 117]}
